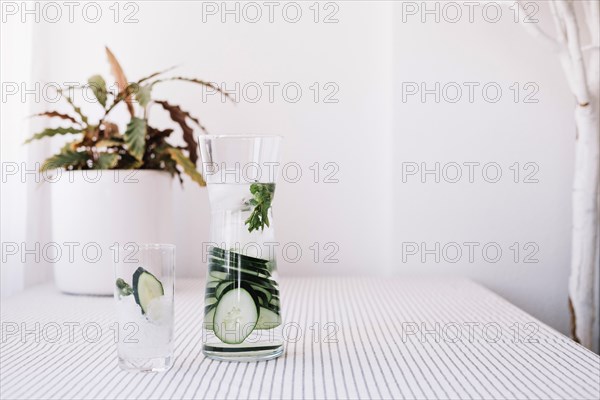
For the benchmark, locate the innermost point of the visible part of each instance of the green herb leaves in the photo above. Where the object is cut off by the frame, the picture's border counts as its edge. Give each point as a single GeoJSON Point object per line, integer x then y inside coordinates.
{"type": "Point", "coordinates": [98, 86]}
{"type": "Point", "coordinates": [67, 158]}
{"type": "Point", "coordinates": [188, 166]}
{"type": "Point", "coordinates": [106, 161]}
{"type": "Point", "coordinates": [100, 145]}
{"type": "Point", "coordinates": [135, 137]}
{"type": "Point", "coordinates": [263, 196]}
{"type": "Point", "coordinates": [144, 95]}
{"type": "Point", "coordinates": [124, 288]}
{"type": "Point", "coordinates": [53, 132]}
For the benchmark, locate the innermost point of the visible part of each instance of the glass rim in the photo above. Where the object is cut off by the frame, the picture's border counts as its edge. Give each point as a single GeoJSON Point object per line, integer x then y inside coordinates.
{"type": "Point", "coordinates": [243, 136]}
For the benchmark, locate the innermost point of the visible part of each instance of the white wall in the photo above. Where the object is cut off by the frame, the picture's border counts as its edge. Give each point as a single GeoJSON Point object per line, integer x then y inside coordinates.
{"type": "Point", "coordinates": [15, 68]}
{"type": "Point", "coordinates": [369, 133]}
{"type": "Point", "coordinates": [504, 132]}
{"type": "Point", "coordinates": [357, 61]}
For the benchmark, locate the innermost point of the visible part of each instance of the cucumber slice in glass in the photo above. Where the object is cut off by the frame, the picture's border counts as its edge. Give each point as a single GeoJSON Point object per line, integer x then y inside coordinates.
{"type": "Point", "coordinates": [232, 255]}
{"type": "Point", "coordinates": [235, 316]}
{"type": "Point", "coordinates": [209, 301]}
{"type": "Point", "coordinates": [234, 269]}
{"type": "Point", "coordinates": [222, 275]}
{"type": "Point", "coordinates": [212, 284]}
{"type": "Point", "coordinates": [237, 262]}
{"type": "Point", "coordinates": [208, 319]}
{"type": "Point", "coordinates": [223, 288]}
{"type": "Point", "coordinates": [146, 288]}
{"type": "Point", "coordinates": [267, 319]}
{"type": "Point", "coordinates": [208, 309]}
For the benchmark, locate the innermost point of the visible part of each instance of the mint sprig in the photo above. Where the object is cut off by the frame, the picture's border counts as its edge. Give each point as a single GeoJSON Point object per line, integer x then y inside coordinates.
{"type": "Point", "coordinates": [263, 196]}
{"type": "Point", "coordinates": [124, 288]}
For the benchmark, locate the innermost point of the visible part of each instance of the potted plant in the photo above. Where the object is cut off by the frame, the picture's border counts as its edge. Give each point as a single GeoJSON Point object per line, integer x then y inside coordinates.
{"type": "Point", "coordinates": [109, 187]}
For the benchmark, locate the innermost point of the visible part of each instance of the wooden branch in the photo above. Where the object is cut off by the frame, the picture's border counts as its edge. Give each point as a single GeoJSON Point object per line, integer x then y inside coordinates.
{"type": "Point", "coordinates": [583, 81]}
{"type": "Point", "coordinates": [536, 31]}
{"type": "Point", "coordinates": [591, 17]}
{"type": "Point", "coordinates": [566, 13]}
{"type": "Point", "coordinates": [589, 47]}
{"type": "Point", "coordinates": [561, 37]}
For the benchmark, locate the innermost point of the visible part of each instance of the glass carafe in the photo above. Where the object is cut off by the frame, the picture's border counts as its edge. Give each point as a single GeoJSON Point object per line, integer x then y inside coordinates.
{"type": "Point", "coordinates": [242, 308]}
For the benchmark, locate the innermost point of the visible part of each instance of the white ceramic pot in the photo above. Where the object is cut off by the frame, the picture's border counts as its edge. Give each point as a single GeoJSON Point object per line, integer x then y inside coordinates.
{"type": "Point", "coordinates": [93, 210]}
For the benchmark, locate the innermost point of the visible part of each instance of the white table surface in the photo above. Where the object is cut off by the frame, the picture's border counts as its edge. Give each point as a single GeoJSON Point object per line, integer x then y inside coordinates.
{"type": "Point", "coordinates": [370, 356]}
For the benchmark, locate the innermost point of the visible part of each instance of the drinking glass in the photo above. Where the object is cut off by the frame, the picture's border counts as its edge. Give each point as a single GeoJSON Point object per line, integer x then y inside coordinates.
{"type": "Point", "coordinates": [144, 292]}
{"type": "Point", "coordinates": [242, 314]}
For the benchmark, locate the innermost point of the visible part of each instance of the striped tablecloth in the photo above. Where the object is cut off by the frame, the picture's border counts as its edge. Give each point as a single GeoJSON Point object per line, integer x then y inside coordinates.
{"type": "Point", "coordinates": [361, 338]}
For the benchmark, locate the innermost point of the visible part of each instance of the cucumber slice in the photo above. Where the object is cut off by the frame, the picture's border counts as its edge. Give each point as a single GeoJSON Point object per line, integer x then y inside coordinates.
{"type": "Point", "coordinates": [209, 301]}
{"type": "Point", "coordinates": [218, 275]}
{"type": "Point", "coordinates": [263, 299]}
{"type": "Point", "coordinates": [208, 319]}
{"type": "Point", "coordinates": [264, 292]}
{"type": "Point", "coordinates": [235, 276]}
{"type": "Point", "coordinates": [244, 284]}
{"type": "Point", "coordinates": [270, 286]}
{"type": "Point", "coordinates": [275, 302]}
{"type": "Point", "coordinates": [273, 308]}
{"type": "Point", "coordinates": [267, 319]}
{"type": "Point", "coordinates": [208, 309]}
{"type": "Point", "coordinates": [238, 262]}
{"type": "Point", "coordinates": [234, 269]}
{"type": "Point", "coordinates": [146, 288]}
{"type": "Point", "coordinates": [212, 284]}
{"type": "Point", "coordinates": [232, 255]}
{"type": "Point", "coordinates": [261, 295]}
{"type": "Point", "coordinates": [223, 288]}
{"type": "Point", "coordinates": [235, 316]}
